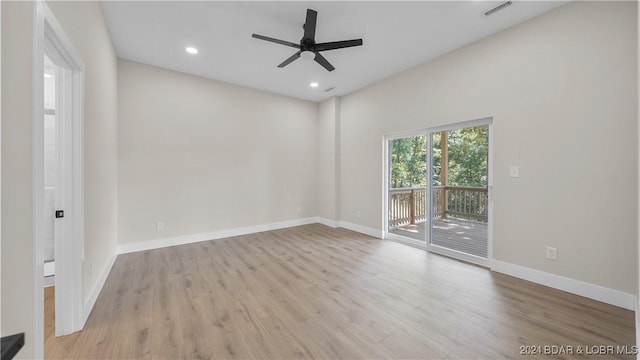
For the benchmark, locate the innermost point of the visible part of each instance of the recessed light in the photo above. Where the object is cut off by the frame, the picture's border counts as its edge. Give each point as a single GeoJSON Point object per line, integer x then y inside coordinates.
{"type": "Point", "coordinates": [47, 76]}
{"type": "Point", "coordinates": [314, 84]}
{"type": "Point", "coordinates": [191, 50]}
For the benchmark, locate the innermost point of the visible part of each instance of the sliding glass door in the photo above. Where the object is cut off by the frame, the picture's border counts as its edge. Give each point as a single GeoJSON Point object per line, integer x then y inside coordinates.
{"type": "Point", "coordinates": [438, 190]}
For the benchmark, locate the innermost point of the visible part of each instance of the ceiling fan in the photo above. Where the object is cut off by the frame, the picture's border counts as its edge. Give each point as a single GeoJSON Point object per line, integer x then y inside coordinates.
{"type": "Point", "coordinates": [308, 48]}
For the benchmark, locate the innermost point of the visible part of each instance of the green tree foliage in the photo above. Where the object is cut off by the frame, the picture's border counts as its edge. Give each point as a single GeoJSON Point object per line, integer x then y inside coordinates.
{"type": "Point", "coordinates": [468, 154]}
{"type": "Point", "coordinates": [408, 162]}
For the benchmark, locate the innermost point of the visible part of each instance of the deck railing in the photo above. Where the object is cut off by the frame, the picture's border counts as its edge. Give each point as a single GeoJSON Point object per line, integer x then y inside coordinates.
{"type": "Point", "coordinates": [408, 205]}
{"type": "Point", "coordinates": [467, 202]}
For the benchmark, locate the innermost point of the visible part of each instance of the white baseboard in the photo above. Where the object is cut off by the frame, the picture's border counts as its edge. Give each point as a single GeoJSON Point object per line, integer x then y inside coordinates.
{"type": "Point", "coordinates": [327, 222]}
{"type": "Point", "coordinates": [93, 296]}
{"type": "Point", "coordinates": [220, 234]}
{"type": "Point", "coordinates": [49, 281]}
{"type": "Point", "coordinates": [591, 291]}
{"type": "Point", "coordinates": [361, 229]}
{"type": "Point", "coordinates": [49, 268]}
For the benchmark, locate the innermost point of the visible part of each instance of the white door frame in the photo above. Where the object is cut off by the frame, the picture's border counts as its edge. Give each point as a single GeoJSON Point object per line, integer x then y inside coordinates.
{"type": "Point", "coordinates": [50, 38]}
{"type": "Point", "coordinates": [426, 244]}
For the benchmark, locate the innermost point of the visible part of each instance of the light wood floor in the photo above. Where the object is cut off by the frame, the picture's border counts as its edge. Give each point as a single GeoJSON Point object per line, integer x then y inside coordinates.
{"type": "Point", "coordinates": [50, 340]}
{"type": "Point", "coordinates": [317, 292]}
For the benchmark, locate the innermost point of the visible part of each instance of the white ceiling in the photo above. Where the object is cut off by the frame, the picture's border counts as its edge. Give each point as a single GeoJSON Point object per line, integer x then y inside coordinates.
{"type": "Point", "coordinates": [396, 36]}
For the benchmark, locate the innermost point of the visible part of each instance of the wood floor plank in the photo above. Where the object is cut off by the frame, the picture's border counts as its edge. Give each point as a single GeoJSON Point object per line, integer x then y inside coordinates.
{"type": "Point", "coordinates": [317, 292]}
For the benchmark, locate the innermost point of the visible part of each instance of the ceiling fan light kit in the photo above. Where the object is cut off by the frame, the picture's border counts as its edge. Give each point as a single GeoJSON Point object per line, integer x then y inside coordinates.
{"type": "Point", "coordinates": [307, 55]}
{"type": "Point", "coordinates": [308, 48]}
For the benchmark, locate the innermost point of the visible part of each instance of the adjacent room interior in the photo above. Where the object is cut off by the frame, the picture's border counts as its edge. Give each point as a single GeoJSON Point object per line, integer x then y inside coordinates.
{"type": "Point", "coordinates": [319, 179]}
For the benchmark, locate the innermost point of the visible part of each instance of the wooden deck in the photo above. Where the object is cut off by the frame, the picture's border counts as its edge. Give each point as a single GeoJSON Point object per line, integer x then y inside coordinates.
{"type": "Point", "coordinates": [461, 235]}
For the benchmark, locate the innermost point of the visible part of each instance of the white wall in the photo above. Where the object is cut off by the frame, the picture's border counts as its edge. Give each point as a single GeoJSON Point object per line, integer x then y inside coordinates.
{"type": "Point", "coordinates": [328, 112]}
{"type": "Point", "coordinates": [562, 91]}
{"type": "Point", "coordinates": [201, 155]}
{"type": "Point", "coordinates": [84, 24]}
{"type": "Point", "coordinates": [17, 200]}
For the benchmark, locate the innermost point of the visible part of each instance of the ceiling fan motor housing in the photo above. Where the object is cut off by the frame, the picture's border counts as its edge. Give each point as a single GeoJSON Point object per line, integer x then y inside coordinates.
{"type": "Point", "coordinates": [307, 44]}
{"type": "Point", "coordinates": [308, 49]}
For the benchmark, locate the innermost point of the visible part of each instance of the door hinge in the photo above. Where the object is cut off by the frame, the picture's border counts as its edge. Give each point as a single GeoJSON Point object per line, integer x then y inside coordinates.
{"type": "Point", "coordinates": [59, 214]}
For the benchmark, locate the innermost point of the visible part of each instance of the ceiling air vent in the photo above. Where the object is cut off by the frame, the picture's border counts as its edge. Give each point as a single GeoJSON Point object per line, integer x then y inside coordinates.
{"type": "Point", "coordinates": [329, 89]}
{"type": "Point", "coordinates": [498, 8]}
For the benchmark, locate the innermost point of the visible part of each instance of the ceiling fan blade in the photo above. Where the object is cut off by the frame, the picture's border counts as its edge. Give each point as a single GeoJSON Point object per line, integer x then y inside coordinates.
{"type": "Point", "coordinates": [277, 41]}
{"type": "Point", "coordinates": [338, 44]}
{"type": "Point", "coordinates": [310, 25]}
{"type": "Point", "coordinates": [291, 59]}
{"type": "Point", "coordinates": [324, 62]}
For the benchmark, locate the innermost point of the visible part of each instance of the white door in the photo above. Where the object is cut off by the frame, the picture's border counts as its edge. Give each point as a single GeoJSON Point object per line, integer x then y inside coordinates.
{"type": "Point", "coordinates": [52, 200]}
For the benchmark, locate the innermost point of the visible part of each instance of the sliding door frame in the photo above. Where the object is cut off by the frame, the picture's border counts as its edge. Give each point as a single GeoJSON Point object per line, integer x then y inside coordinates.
{"type": "Point", "coordinates": [426, 244]}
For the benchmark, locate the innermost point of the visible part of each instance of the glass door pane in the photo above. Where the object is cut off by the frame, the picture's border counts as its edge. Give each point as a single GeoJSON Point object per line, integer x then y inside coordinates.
{"type": "Point", "coordinates": [407, 196]}
{"type": "Point", "coordinates": [459, 186]}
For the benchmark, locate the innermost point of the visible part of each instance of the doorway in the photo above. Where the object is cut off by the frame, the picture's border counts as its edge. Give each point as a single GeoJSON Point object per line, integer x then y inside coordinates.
{"type": "Point", "coordinates": [58, 186]}
{"type": "Point", "coordinates": [438, 190]}
{"type": "Point", "coordinates": [62, 231]}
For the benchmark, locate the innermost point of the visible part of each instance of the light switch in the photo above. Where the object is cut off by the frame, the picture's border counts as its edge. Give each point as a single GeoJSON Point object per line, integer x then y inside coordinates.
{"type": "Point", "coordinates": [514, 171]}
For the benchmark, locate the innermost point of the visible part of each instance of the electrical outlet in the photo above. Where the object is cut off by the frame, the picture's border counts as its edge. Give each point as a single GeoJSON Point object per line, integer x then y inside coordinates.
{"type": "Point", "coordinates": [514, 171]}
{"type": "Point", "coordinates": [299, 209]}
{"type": "Point", "coordinates": [160, 226]}
{"type": "Point", "coordinates": [552, 253]}
{"type": "Point", "coordinates": [358, 214]}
